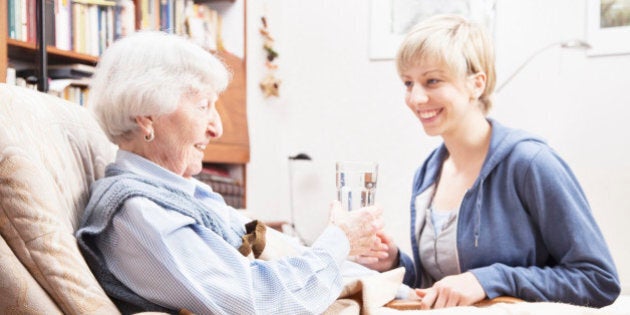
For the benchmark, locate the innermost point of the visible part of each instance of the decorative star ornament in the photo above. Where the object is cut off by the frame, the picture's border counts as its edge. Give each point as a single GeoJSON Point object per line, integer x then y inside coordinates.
{"type": "Point", "coordinates": [270, 85]}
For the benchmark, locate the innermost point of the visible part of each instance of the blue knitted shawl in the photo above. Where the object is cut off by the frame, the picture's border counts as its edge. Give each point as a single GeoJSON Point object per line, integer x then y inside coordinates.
{"type": "Point", "coordinates": [108, 195]}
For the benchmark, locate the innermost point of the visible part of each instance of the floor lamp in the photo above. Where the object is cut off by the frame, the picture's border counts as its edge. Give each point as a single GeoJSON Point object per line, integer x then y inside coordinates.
{"type": "Point", "coordinates": [570, 44]}
{"type": "Point", "coordinates": [292, 160]}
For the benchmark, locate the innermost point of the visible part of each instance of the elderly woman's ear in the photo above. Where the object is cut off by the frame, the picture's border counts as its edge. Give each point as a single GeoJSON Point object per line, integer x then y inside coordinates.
{"type": "Point", "coordinates": [145, 123]}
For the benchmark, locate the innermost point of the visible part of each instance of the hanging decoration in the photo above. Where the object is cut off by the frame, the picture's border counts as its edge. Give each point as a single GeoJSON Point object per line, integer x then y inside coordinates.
{"type": "Point", "coordinates": [270, 84]}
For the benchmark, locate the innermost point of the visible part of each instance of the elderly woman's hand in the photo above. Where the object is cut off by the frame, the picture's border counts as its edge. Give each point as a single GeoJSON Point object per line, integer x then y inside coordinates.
{"type": "Point", "coordinates": [360, 226]}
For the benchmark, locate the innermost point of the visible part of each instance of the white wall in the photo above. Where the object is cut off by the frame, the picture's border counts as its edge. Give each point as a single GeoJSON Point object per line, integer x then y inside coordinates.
{"type": "Point", "coordinates": [336, 104]}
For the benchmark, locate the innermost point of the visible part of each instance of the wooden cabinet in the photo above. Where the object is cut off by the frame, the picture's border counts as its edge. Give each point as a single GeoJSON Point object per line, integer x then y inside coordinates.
{"type": "Point", "coordinates": [230, 152]}
{"type": "Point", "coordinates": [233, 146]}
{"type": "Point", "coordinates": [4, 35]}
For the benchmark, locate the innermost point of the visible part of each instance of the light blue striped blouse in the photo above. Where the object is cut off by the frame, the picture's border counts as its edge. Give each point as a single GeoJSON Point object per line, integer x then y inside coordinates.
{"type": "Point", "coordinates": [201, 272]}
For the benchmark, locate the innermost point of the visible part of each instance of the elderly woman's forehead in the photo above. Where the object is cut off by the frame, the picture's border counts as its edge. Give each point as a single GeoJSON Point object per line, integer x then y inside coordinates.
{"type": "Point", "coordinates": [198, 93]}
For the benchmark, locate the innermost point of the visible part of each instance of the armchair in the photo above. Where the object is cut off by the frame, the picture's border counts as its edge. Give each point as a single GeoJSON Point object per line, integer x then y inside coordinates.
{"type": "Point", "coordinates": [50, 153]}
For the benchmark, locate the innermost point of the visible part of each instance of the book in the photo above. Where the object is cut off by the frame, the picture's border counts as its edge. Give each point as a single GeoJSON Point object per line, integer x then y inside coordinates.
{"type": "Point", "coordinates": [71, 71]}
{"type": "Point", "coordinates": [74, 90]}
{"type": "Point", "coordinates": [63, 25]}
{"type": "Point", "coordinates": [49, 23]}
{"type": "Point", "coordinates": [11, 5]}
{"type": "Point", "coordinates": [11, 76]}
{"type": "Point", "coordinates": [75, 70]}
{"type": "Point", "coordinates": [124, 19]}
{"type": "Point", "coordinates": [231, 189]}
{"type": "Point", "coordinates": [96, 2]}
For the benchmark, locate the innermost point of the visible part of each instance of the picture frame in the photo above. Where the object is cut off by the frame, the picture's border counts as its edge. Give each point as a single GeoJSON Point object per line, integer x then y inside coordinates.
{"type": "Point", "coordinates": [608, 27]}
{"type": "Point", "coordinates": [390, 20]}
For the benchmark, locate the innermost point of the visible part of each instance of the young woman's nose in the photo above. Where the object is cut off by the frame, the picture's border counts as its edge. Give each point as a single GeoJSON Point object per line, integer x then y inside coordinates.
{"type": "Point", "coordinates": [417, 95]}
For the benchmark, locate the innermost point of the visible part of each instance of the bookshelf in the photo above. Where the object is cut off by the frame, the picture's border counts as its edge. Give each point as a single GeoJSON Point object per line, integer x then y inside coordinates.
{"type": "Point", "coordinates": [231, 151]}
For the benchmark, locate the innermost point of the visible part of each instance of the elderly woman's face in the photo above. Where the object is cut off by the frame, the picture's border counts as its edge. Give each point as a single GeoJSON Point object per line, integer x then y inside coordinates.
{"type": "Point", "coordinates": [181, 136]}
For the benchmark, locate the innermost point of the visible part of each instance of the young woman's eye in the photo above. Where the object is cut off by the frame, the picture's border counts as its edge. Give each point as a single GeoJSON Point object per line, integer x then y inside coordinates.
{"type": "Point", "coordinates": [432, 81]}
{"type": "Point", "coordinates": [408, 84]}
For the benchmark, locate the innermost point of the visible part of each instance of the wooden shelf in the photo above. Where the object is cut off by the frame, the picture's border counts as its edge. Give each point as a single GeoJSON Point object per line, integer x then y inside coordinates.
{"type": "Point", "coordinates": [20, 50]}
{"type": "Point", "coordinates": [4, 11]}
{"type": "Point", "coordinates": [232, 149]}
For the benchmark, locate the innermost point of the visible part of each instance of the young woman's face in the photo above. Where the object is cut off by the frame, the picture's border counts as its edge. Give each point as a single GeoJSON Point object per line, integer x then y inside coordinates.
{"type": "Point", "coordinates": [437, 97]}
{"type": "Point", "coordinates": [181, 136]}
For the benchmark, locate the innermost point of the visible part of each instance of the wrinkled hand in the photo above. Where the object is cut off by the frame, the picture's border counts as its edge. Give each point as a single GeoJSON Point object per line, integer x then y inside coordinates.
{"type": "Point", "coordinates": [360, 226]}
{"type": "Point", "coordinates": [457, 290]}
{"type": "Point", "coordinates": [380, 259]}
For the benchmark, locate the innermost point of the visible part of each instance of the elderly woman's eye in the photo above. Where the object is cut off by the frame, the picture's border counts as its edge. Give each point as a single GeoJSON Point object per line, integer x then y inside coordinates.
{"type": "Point", "coordinates": [204, 105]}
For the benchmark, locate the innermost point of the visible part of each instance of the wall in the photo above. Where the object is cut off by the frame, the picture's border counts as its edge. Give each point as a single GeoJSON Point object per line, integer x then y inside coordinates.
{"type": "Point", "coordinates": [337, 104]}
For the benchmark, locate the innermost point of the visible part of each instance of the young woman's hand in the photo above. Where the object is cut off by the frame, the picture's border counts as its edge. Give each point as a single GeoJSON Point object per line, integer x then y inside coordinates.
{"type": "Point", "coordinates": [381, 259]}
{"type": "Point", "coordinates": [457, 290]}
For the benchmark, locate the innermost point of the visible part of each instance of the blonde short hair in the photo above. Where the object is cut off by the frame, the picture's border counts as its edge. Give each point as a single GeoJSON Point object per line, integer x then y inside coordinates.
{"type": "Point", "coordinates": [452, 40]}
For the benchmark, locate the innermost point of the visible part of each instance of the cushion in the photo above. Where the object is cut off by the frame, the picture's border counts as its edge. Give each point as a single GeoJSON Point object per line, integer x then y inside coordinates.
{"type": "Point", "coordinates": [19, 292]}
{"type": "Point", "coordinates": [50, 152]}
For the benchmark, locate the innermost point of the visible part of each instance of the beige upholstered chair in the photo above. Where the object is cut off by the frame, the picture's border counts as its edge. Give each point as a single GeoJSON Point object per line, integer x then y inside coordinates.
{"type": "Point", "coordinates": [50, 152]}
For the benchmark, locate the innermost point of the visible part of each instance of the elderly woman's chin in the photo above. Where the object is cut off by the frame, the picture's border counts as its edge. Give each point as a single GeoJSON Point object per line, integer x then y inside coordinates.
{"type": "Point", "coordinates": [193, 169]}
{"type": "Point", "coordinates": [193, 165]}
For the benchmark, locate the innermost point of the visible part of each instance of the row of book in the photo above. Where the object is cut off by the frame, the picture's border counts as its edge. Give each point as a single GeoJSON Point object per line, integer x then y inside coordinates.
{"type": "Point", "coordinates": [66, 81]}
{"type": "Point", "coordinates": [73, 90]}
{"type": "Point", "coordinates": [222, 183]}
{"type": "Point", "coordinates": [89, 26]}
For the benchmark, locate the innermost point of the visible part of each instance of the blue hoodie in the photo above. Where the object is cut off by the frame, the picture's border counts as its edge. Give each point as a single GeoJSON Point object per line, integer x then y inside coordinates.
{"type": "Point", "coordinates": [525, 228]}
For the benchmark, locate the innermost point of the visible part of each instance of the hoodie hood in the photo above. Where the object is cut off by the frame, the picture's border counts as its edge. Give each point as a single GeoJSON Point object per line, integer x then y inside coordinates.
{"type": "Point", "coordinates": [502, 142]}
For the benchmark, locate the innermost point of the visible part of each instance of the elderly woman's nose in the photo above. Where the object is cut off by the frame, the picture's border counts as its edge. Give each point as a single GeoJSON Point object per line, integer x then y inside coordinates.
{"type": "Point", "coordinates": [215, 125]}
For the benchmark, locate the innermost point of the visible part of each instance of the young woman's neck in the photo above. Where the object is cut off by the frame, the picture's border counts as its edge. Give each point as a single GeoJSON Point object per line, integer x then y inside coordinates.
{"type": "Point", "coordinates": [469, 144]}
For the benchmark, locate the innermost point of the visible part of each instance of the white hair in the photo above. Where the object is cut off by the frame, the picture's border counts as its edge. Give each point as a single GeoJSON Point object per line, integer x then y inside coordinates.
{"type": "Point", "coordinates": [147, 73]}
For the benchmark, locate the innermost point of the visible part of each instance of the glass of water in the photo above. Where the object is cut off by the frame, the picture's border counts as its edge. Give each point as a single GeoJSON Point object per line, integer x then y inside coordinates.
{"type": "Point", "coordinates": [356, 183]}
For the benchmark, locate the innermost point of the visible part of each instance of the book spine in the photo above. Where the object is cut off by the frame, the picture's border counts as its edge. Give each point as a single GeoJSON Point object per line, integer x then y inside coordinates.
{"type": "Point", "coordinates": [23, 18]}
{"type": "Point", "coordinates": [93, 33]}
{"type": "Point", "coordinates": [49, 27]}
{"type": "Point", "coordinates": [144, 11]}
{"type": "Point", "coordinates": [11, 6]}
{"type": "Point", "coordinates": [163, 15]}
{"type": "Point", "coordinates": [102, 30]}
{"type": "Point", "coordinates": [63, 25]}
{"type": "Point", "coordinates": [171, 16]}
{"type": "Point", "coordinates": [109, 33]}
{"type": "Point", "coordinates": [96, 2]}
{"type": "Point", "coordinates": [31, 25]}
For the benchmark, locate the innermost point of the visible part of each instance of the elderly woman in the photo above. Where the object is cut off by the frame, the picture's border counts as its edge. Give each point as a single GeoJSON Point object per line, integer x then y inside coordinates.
{"type": "Point", "coordinates": [159, 240]}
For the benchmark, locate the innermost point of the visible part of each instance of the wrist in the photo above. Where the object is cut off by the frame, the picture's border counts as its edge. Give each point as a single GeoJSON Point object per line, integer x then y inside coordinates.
{"type": "Point", "coordinates": [396, 262]}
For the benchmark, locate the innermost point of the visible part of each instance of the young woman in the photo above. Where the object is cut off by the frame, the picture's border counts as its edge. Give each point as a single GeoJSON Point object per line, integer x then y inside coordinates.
{"type": "Point", "coordinates": [494, 211]}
